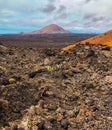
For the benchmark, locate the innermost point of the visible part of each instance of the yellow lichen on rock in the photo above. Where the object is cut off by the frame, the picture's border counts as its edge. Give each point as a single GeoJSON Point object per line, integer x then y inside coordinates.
{"type": "Point", "coordinates": [12, 80]}
{"type": "Point", "coordinates": [2, 68]}
{"type": "Point", "coordinates": [48, 68]}
{"type": "Point", "coordinates": [37, 67]}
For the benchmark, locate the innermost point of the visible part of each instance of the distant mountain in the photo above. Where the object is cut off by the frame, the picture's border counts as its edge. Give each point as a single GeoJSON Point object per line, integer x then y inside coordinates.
{"type": "Point", "coordinates": [50, 29]}
{"type": "Point", "coordinates": [105, 38]}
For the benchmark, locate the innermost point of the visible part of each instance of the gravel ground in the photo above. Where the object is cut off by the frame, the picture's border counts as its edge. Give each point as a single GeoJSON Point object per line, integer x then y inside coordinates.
{"type": "Point", "coordinates": [48, 89]}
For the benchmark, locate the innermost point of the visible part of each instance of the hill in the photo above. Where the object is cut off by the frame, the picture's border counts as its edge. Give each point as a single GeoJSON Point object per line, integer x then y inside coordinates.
{"type": "Point", "coordinates": [105, 38]}
{"type": "Point", "coordinates": [50, 29]}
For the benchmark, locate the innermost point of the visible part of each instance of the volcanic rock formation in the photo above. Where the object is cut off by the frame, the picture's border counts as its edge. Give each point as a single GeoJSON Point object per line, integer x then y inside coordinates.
{"type": "Point", "coordinates": [50, 89]}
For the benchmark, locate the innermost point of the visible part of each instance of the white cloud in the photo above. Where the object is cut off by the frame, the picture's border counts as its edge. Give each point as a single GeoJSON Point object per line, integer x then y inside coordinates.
{"type": "Point", "coordinates": [72, 14]}
{"type": "Point", "coordinates": [7, 13]}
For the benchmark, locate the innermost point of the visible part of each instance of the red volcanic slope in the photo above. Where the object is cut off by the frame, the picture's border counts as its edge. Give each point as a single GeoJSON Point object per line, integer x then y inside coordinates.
{"type": "Point", "coordinates": [105, 38]}
{"type": "Point", "coordinates": [50, 29]}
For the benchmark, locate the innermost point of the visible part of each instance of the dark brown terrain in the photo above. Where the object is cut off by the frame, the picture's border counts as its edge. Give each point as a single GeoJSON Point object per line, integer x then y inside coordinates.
{"type": "Point", "coordinates": [43, 41]}
{"type": "Point", "coordinates": [51, 89]}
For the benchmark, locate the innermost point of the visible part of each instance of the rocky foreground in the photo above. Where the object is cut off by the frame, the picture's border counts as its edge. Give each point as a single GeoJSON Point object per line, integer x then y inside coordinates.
{"type": "Point", "coordinates": [48, 89]}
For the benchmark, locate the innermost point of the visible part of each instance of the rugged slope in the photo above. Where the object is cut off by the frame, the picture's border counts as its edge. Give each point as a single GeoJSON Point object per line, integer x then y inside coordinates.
{"type": "Point", "coordinates": [105, 38]}
{"type": "Point", "coordinates": [53, 90]}
{"type": "Point", "coordinates": [50, 29]}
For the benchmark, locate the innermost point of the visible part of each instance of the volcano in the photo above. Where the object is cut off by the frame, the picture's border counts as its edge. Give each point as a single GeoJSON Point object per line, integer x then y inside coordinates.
{"type": "Point", "coordinates": [50, 29]}
{"type": "Point", "coordinates": [105, 39]}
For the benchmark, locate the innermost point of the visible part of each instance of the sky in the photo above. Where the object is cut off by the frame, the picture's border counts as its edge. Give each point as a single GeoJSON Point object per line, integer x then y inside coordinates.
{"type": "Point", "coordinates": [78, 16]}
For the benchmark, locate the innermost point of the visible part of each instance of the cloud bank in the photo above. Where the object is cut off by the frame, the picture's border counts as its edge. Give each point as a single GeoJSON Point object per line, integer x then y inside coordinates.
{"type": "Point", "coordinates": [82, 15]}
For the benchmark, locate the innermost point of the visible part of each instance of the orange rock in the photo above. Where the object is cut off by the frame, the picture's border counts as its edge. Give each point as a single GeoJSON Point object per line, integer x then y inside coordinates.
{"type": "Point", "coordinates": [59, 117]}
{"type": "Point", "coordinates": [89, 113]}
{"type": "Point", "coordinates": [79, 119]}
{"type": "Point", "coordinates": [84, 112]}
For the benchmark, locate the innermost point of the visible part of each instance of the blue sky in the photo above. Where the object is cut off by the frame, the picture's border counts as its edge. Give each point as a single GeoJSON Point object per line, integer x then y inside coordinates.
{"type": "Point", "coordinates": [74, 15]}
